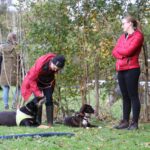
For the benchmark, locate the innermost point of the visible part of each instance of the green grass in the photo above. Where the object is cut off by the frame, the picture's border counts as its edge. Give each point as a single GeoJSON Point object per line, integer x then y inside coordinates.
{"type": "Point", "coordinates": [85, 139]}
{"type": "Point", "coordinates": [104, 138]}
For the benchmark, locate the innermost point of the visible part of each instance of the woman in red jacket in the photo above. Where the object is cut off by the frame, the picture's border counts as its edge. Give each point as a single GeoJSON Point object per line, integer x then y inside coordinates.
{"type": "Point", "coordinates": [40, 81]}
{"type": "Point", "coordinates": [126, 53]}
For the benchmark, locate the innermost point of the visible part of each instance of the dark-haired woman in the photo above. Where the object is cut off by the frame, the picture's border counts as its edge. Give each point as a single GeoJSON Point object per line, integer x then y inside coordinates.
{"type": "Point", "coordinates": [40, 81]}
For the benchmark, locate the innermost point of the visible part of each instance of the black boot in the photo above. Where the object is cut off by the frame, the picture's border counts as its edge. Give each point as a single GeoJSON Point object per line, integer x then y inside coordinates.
{"type": "Point", "coordinates": [133, 126]}
{"type": "Point", "coordinates": [39, 115]}
{"type": "Point", "coordinates": [124, 124]}
{"type": "Point", "coordinates": [49, 114]}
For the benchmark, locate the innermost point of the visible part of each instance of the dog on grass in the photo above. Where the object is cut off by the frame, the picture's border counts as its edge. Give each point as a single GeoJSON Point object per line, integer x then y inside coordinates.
{"type": "Point", "coordinates": [24, 116]}
{"type": "Point", "coordinates": [81, 118]}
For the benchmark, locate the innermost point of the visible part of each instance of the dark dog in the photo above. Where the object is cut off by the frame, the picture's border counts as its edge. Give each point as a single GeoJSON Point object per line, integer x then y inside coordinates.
{"type": "Point", "coordinates": [81, 118]}
{"type": "Point", "coordinates": [25, 116]}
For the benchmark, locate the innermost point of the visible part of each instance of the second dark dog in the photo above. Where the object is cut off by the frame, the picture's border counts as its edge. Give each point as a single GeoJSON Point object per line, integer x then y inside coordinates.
{"type": "Point", "coordinates": [81, 118]}
{"type": "Point", "coordinates": [25, 116]}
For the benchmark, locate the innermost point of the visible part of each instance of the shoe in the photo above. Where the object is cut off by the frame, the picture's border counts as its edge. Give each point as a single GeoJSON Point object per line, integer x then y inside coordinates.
{"type": "Point", "coordinates": [13, 107]}
{"type": "Point", "coordinates": [6, 107]}
{"type": "Point", "coordinates": [133, 126]}
{"type": "Point", "coordinates": [124, 124]}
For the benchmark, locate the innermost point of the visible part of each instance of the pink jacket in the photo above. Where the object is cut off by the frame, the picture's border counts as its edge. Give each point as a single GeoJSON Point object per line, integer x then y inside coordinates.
{"type": "Point", "coordinates": [29, 84]}
{"type": "Point", "coordinates": [127, 51]}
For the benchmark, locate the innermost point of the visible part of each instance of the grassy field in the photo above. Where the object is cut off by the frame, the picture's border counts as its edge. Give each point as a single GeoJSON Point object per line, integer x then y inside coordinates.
{"type": "Point", "coordinates": [104, 138]}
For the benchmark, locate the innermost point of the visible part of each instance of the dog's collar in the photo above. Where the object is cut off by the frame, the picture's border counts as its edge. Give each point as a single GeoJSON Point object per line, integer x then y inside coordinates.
{"type": "Point", "coordinates": [82, 114]}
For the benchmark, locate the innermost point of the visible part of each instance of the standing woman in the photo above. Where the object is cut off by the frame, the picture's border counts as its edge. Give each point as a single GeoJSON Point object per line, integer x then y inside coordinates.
{"type": "Point", "coordinates": [126, 53]}
{"type": "Point", "coordinates": [10, 69]}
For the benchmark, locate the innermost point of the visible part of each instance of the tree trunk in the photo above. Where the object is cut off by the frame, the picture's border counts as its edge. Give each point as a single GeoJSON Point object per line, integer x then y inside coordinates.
{"type": "Point", "coordinates": [145, 99]}
{"type": "Point", "coordinates": [83, 91]}
{"type": "Point", "coordinates": [96, 67]}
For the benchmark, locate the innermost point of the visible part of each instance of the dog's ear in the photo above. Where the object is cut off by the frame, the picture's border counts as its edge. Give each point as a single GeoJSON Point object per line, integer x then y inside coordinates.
{"type": "Point", "coordinates": [83, 108]}
{"type": "Point", "coordinates": [88, 109]}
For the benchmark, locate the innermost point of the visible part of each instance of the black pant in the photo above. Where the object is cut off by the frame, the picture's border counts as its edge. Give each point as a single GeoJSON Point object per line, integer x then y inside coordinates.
{"type": "Point", "coordinates": [128, 82]}
{"type": "Point", "coordinates": [48, 93]}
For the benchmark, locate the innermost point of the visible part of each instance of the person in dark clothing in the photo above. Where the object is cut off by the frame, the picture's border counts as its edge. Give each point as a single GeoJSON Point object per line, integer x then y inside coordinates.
{"type": "Point", "coordinates": [40, 81]}
{"type": "Point", "coordinates": [127, 52]}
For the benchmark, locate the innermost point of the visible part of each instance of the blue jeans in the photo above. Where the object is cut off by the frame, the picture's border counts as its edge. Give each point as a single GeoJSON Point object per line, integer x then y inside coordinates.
{"type": "Point", "coordinates": [5, 95]}
{"type": "Point", "coordinates": [16, 96]}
